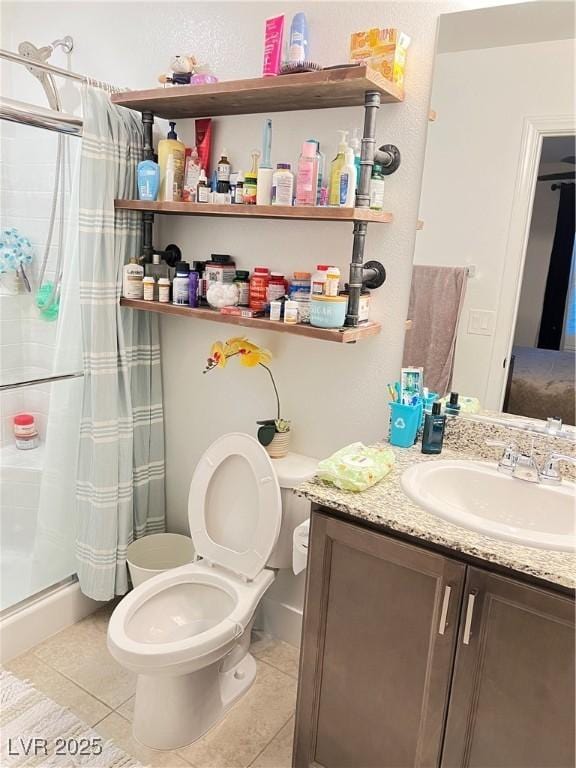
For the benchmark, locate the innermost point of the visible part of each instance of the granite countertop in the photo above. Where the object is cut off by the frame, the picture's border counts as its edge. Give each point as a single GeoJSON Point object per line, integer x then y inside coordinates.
{"type": "Point", "coordinates": [387, 505]}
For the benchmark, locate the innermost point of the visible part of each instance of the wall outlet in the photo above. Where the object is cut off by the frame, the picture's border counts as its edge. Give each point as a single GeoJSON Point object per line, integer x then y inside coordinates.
{"type": "Point", "coordinates": [481, 322]}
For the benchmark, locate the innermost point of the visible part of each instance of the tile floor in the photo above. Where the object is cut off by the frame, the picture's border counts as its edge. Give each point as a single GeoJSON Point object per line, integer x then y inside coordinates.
{"type": "Point", "coordinates": [75, 669]}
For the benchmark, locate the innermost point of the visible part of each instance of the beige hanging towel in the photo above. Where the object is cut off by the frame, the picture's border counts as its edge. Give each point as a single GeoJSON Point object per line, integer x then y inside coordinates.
{"type": "Point", "coordinates": [436, 299]}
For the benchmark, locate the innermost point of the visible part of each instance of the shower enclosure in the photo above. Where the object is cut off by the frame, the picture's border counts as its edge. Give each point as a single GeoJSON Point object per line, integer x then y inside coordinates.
{"type": "Point", "coordinates": [40, 340]}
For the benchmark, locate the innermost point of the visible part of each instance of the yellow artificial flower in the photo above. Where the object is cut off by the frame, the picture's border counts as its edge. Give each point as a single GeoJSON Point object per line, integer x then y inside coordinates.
{"type": "Point", "coordinates": [250, 354]}
{"type": "Point", "coordinates": [218, 355]}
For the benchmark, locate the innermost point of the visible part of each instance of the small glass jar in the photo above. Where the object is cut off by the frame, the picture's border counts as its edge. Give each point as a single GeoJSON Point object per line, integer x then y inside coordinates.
{"type": "Point", "coordinates": [258, 288]}
{"type": "Point", "coordinates": [243, 284]}
{"type": "Point", "coordinates": [25, 432]}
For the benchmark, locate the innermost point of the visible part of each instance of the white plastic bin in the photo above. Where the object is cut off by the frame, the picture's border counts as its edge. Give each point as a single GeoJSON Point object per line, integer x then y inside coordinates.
{"type": "Point", "coordinates": [157, 553]}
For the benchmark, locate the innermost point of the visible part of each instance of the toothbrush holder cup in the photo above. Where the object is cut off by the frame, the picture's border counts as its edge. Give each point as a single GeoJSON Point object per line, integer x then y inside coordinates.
{"type": "Point", "coordinates": [404, 424]}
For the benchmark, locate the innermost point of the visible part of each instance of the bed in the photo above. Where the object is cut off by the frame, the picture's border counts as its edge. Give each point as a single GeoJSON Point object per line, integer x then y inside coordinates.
{"type": "Point", "coordinates": [542, 384]}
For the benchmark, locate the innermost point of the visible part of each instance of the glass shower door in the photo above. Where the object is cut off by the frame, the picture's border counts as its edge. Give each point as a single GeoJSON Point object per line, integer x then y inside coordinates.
{"type": "Point", "coordinates": [41, 366]}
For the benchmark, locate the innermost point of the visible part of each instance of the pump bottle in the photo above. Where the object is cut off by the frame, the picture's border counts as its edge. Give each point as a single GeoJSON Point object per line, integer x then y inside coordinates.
{"type": "Point", "coordinates": [171, 153]}
{"type": "Point", "coordinates": [335, 168]}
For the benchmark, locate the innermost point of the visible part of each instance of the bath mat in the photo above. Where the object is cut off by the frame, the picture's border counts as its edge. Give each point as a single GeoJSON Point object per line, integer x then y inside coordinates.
{"type": "Point", "coordinates": [38, 732]}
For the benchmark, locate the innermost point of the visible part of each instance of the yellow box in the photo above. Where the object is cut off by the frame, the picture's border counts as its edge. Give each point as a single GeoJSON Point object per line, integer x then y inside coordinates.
{"type": "Point", "coordinates": [383, 50]}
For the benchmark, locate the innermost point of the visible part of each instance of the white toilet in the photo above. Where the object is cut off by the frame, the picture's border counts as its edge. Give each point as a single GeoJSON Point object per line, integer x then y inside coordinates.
{"type": "Point", "coordinates": [186, 632]}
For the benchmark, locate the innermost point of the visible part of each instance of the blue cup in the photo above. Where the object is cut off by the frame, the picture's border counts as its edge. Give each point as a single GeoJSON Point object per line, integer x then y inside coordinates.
{"type": "Point", "coordinates": [404, 423]}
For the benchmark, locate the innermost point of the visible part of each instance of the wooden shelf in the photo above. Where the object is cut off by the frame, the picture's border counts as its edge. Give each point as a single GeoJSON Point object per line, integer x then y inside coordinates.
{"type": "Point", "coordinates": [257, 211]}
{"type": "Point", "coordinates": [342, 87]}
{"type": "Point", "coordinates": [343, 336]}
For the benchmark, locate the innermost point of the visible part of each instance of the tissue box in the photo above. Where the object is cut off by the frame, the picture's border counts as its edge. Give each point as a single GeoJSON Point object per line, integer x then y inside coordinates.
{"type": "Point", "coordinates": [383, 50]}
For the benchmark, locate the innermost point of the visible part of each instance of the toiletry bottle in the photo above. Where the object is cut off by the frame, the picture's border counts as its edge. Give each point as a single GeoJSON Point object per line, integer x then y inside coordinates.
{"type": "Point", "coordinates": [223, 174]}
{"type": "Point", "coordinates": [321, 171]}
{"type": "Point", "coordinates": [171, 170]}
{"type": "Point", "coordinates": [453, 407]}
{"type": "Point", "coordinates": [132, 276]}
{"type": "Point", "coordinates": [307, 177]}
{"type": "Point", "coordinates": [332, 284]}
{"type": "Point", "coordinates": [273, 46]}
{"type": "Point", "coordinates": [356, 148]}
{"type": "Point", "coordinates": [180, 284]}
{"type": "Point", "coordinates": [148, 288]}
{"type": "Point", "coordinates": [164, 290]}
{"type": "Point", "coordinates": [290, 312]}
{"type": "Point", "coordinates": [148, 180]}
{"type": "Point", "coordinates": [335, 167]}
{"type": "Point", "coordinates": [433, 433]}
{"type": "Point", "coordinates": [193, 280]}
{"type": "Point", "coordinates": [202, 188]}
{"type": "Point", "coordinates": [282, 185]}
{"type": "Point", "coordinates": [319, 280]}
{"type": "Point", "coordinates": [239, 189]}
{"type": "Point", "coordinates": [191, 175]}
{"type": "Point", "coordinates": [251, 180]}
{"type": "Point", "coordinates": [298, 39]}
{"type": "Point", "coordinates": [377, 188]}
{"type": "Point", "coordinates": [265, 172]}
{"type": "Point", "coordinates": [347, 178]}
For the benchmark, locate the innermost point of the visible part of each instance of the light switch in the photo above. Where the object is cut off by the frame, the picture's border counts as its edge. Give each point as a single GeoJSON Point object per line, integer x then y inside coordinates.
{"type": "Point", "coordinates": [481, 322]}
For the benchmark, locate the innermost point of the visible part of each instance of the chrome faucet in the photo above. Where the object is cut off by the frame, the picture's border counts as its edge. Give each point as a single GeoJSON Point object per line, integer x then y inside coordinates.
{"type": "Point", "coordinates": [524, 466]}
{"type": "Point", "coordinates": [550, 473]}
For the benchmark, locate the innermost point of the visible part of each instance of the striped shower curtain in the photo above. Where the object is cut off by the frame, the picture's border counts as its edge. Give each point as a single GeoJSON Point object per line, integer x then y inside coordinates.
{"type": "Point", "coordinates": [120, 484]}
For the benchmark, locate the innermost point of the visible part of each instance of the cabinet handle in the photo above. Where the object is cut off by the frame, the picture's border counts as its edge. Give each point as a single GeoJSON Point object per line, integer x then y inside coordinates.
{"type": "Point", "coordinates": [468, 621]}
{"type": "Point", "coordinates": [444, 612]}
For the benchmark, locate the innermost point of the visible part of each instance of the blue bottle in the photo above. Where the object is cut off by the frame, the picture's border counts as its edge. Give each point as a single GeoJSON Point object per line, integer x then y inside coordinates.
{"type": "Point", "coordinates": [298, 40]}
{"type": "Point", "coordinates": [148, 180]}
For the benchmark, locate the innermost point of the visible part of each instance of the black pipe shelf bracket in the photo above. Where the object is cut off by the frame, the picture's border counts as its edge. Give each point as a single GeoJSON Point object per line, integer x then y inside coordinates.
{"type": "Point", "coordinates": [148, 218]}
{"type": "Point", "coordinates": [372, 274]}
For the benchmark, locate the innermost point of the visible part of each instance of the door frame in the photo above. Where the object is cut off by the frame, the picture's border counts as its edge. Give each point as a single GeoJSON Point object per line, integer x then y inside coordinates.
{"type": "Point", "coordinates": [535, 130]}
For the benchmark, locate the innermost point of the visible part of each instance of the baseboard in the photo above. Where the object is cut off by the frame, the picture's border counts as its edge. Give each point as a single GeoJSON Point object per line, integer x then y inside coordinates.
{"type": "Point", "coordinates": [42, 617]}
{"type": "Point", "coordinates": [281, 620]}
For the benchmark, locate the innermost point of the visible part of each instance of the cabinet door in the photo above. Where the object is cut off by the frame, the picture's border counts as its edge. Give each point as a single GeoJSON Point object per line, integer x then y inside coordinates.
{"type": "Point", "coordinates": [377, 650]}
{"type": "Point", "coordinates": [512, 700]}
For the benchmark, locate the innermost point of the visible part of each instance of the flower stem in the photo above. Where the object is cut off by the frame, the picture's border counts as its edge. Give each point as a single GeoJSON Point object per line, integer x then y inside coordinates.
{"type": "Point", "coordinates": [274, 385]}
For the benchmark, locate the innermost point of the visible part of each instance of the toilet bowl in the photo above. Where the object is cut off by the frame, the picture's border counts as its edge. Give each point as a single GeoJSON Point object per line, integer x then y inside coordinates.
{"type": "Point", "coordinates": [186, 632]}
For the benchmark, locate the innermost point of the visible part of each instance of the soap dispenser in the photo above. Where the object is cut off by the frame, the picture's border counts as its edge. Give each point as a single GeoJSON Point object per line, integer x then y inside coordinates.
{"type": "Point", "coordinates": [335, 168]}
{"type": "Point", "coordinates": [433, 433]}
{"type": "Point", "coordinates": [171, 154]}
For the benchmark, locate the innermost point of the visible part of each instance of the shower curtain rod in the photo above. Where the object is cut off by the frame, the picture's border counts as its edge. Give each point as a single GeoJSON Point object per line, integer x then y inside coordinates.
{"type": "Point", "coordinates": [39, 117]}
{"type": "Point", "coordinates": [17, 59]}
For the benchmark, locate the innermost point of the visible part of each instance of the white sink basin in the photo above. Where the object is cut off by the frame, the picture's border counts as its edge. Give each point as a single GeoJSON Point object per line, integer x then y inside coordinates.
{"type": "Point", "coordinates": [476, 496]}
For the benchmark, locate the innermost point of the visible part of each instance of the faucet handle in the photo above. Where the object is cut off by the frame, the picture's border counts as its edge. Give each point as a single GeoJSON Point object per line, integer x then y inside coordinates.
{"type": "Point", "coordinates": [510, 455]}
{"type": "Point", "coordinates": [550, 472]}
{"type": "Point", "coordinates": [553, 424]}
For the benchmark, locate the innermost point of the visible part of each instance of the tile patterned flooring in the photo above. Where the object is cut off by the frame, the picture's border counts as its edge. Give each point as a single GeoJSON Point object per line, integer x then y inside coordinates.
{"type": "Point", "coordinates": [75, 669]}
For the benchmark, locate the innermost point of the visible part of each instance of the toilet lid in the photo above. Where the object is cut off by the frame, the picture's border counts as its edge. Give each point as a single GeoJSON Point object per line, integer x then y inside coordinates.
{"type": "Point", "coordinates": [234, 506]}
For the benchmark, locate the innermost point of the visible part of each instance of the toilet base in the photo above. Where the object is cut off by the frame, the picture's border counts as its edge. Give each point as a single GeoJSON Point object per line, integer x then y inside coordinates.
{"type": "Point", "coordinates": [173, 712]}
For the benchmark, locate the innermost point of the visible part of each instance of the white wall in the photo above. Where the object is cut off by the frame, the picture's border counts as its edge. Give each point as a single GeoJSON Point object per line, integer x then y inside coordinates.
{"type": "Point", "coordinates": [482, 97]}
{"type": "Point", "coordinates": [538, 251]}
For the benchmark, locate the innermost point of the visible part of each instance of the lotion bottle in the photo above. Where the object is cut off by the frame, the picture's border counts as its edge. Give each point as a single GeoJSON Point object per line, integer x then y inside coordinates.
{"type": "Point", "coordinates": [171, 154]}
{"type": "Point", "coordinates": [347, 179]}
{"type": "Point", "coordinates": [132, 276]}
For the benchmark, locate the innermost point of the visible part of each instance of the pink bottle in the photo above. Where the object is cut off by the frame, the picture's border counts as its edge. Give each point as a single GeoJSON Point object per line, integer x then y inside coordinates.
{"type": "Point", "coordinates": [307, 176]}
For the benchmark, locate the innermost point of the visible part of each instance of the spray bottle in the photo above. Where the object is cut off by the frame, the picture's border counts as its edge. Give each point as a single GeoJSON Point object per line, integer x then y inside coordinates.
{"type": "Point", "coordinates": [335, 168]}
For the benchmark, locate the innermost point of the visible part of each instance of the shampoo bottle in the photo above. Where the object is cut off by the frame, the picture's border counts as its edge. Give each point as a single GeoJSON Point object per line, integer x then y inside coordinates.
{"type": "Point", "coordinates": [356, 146]}
{"type": "Point", "coordinates": [433, 433]}
{"type": "Point", "coordinates": [335, 167]}
{"type": "Point", "coordinates": [171, 154]}
{"type": "Point", "coordinates": [148, 180]}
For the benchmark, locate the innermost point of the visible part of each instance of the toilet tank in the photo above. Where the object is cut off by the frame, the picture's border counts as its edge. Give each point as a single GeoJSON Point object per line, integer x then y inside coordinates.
{"type": "Point", "coordinates": [291, 470]}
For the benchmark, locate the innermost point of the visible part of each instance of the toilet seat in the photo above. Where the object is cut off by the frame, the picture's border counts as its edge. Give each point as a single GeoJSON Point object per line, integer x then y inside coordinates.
{"type": "Point", "coordinates": [145, 654]}
{"type": "Point", "coordinates": [234, 505]}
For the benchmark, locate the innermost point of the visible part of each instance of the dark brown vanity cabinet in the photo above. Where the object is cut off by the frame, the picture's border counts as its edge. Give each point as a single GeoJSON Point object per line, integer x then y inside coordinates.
{"type": "Point", "coordinates": [410, 658]}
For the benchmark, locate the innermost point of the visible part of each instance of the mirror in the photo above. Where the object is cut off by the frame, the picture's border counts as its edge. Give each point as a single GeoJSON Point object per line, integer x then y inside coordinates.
{"type": "Point", "coordinates": [492, 304]}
